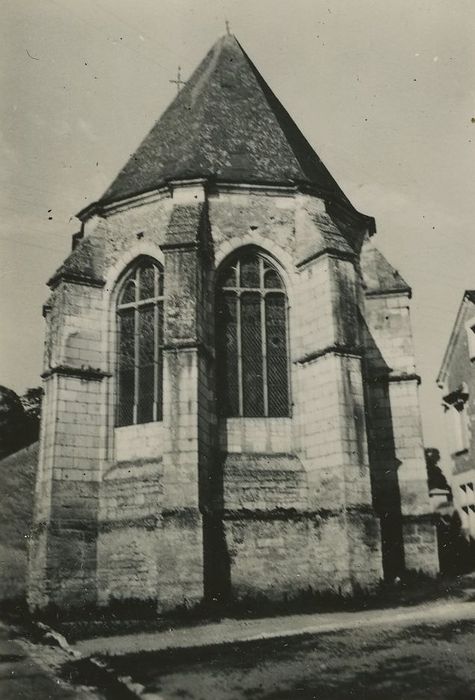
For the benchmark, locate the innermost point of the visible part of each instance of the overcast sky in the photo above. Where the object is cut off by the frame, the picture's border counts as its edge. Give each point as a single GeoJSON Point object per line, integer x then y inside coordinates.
{"type": "Point", "coordinates": [383, 90]}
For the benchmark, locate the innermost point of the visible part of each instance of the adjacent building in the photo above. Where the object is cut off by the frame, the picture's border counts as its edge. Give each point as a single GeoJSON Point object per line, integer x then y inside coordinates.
{"type": "Point", "coordinates": [456, 379]}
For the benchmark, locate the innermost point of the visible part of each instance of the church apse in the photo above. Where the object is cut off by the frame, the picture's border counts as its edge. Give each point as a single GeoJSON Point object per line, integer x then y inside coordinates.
{"type": "Point", "coordinates": [206, 427]}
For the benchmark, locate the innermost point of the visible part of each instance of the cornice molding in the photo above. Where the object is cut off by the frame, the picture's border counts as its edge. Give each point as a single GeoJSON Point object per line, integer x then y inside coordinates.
{"type": "Point", "coordinates": [75, 278]}
{"type": "Point", "coordinates": [332, 252]}
{"type": "Point", "coordinates": [85, 373]}
{"type": "Point", "coordinates": [341, 350]}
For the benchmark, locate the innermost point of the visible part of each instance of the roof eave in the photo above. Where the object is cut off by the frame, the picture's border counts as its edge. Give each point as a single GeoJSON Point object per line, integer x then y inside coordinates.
{"type": "Point", "coordinates": [99, 207]}
{"type": "Point", "coordinates": [468, 297]}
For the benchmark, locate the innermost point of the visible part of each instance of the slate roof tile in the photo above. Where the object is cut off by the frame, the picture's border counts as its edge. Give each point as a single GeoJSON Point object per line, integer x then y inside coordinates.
{"type": "Point", "coordinates": [226, 123]}
{"type": "Point", "coordinates": [378, 274]}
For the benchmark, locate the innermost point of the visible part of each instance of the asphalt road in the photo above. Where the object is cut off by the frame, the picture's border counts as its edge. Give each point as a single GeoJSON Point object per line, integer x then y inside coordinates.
{"type": "Point", "coordinates": [414, 653]}
{"type": "Point", "coordinates": [427, 661]}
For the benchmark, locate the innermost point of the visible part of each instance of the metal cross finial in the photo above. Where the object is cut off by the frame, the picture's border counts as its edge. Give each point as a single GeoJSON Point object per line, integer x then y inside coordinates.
{"type": "Point", "coordinates": [179, 82]}
{"type": "Point", "coordinates": [228, 31]}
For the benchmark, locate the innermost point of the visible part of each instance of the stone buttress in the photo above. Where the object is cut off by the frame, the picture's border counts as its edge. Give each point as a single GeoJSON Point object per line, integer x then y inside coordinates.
{"type": "Point", "coordinates": [398, 468]}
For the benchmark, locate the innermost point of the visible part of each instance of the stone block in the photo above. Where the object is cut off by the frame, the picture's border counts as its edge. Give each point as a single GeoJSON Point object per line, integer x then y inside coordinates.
{"type": "Point", "coordinates": [420, 544]}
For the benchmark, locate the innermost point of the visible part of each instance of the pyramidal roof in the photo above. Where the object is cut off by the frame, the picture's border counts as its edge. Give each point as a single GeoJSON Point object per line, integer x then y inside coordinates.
{"type": "Point", "coordinates": [378, 274]}
{"type": "Point", "coordinates": [226, 124]}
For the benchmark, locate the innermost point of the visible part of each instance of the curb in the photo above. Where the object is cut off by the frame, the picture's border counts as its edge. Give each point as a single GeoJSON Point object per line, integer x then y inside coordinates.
{"type": "Point", "coordinates": [96, 673]}
{"type": "Point", "coordinates": [89, 671]}
{"type": "Point", "coordinates": [186, 640]}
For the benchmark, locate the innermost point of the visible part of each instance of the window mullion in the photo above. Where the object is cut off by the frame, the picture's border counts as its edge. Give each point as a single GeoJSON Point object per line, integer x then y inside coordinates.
{"type": "Point", "coordinates": [263, 337]}
{"type": "Point", "coordinates": [239, 343]}
{"type": "Point", "coordinates": [264, 354]}
{"type": "Point", "coordinates": [136, 346]}
{"type": "Point", "coordinates": [118, 396]}
{"type": "Point", "coordinates": [239, 354]}
{"type": "Point", "coordinates": [136, 364]}
{"type": "Point", "coordinates": [155, 361]}
{"type": "Point", "coordinates": [155, 344]}
{"type": "Point", "coordinates": [287, 352]}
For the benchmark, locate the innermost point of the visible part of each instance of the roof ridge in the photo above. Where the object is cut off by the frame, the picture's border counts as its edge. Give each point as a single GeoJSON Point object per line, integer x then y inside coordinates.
{"type": "Point", "coordinates": [285, 121]}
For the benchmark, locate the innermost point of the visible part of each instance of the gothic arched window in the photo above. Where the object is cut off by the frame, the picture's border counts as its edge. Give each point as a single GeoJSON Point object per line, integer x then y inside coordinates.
{"type": "Point", "coordinates": [253, 372]}
{"type": "Point", "coordinates": [139, 344]}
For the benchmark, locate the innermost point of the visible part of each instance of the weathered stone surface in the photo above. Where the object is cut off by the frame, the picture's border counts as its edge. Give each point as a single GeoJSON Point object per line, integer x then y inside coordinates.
{"type": "Point", "coordinates": [397, 463]}
{"type": "Point", "coordinates": [17, 487]}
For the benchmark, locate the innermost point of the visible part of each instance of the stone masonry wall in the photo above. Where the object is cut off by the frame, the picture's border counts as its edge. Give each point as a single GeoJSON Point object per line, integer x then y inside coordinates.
{"type": "Point", "coordinates": [395, 409]}
{"type": "Point", "coordinates": [268, 556]}
{"type": "Point", "coordinates": [17, 484]}
{"type": "Point", "coordinates": [328, 422]}
{"type": "Point", "coordinates": [276, 505]}
{"type": "Point", "coordinates": [77, 434]}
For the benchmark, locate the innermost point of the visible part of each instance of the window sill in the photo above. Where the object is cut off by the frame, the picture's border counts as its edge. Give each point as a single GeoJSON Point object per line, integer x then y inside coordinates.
{"type": "Point", "coordinates": [262, 434]}
{"type": "Point", "coordinates": [140, 441]}
{"type": "Point", "coordinates": [137, 425]}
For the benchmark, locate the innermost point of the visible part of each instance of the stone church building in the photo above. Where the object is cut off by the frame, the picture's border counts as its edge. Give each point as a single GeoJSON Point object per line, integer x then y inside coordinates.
{"type": "Point", "coordinates": [231, 403]}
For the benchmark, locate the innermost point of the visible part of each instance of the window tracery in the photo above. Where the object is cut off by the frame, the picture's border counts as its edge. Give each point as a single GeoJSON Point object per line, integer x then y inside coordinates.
{"type": "Point", "coordinates": [139, 315]}
{"type": "Point", "coordinates": [252, 338]}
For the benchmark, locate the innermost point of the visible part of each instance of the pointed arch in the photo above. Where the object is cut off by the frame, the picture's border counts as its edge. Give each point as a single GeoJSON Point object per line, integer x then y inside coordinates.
{"type": "Point", "coordinates": [139, 328]}
{"type": "Point", "coordinates": [252, 336]}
